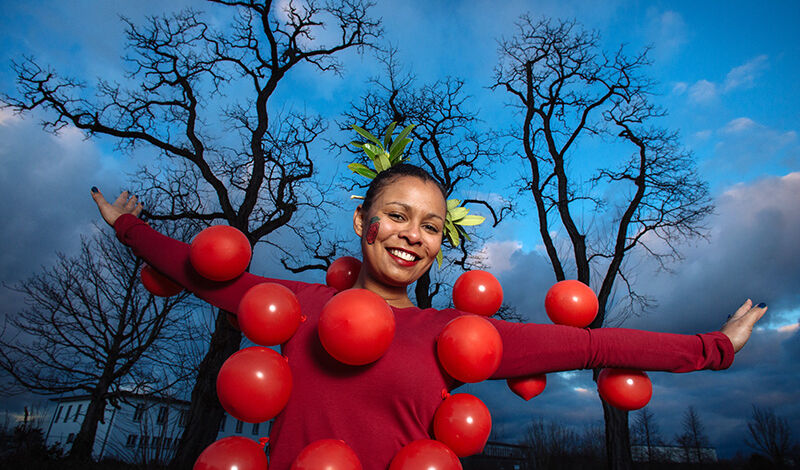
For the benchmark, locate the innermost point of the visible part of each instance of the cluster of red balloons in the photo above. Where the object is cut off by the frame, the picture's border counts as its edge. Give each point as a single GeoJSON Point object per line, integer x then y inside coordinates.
{"type": "Point", "coordinates": [574, 303]}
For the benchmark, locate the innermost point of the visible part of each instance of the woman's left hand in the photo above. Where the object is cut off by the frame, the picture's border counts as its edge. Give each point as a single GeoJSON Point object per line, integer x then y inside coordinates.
{"type": "Point", "coordinates": [740, 325]}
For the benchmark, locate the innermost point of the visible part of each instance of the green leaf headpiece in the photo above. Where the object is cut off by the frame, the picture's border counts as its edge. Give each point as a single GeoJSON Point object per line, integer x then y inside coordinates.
{"type": "Point", "coordinates": [389, 153]}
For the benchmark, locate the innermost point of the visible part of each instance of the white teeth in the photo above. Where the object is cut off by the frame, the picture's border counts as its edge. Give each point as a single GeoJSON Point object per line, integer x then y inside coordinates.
{"type": "Point", "coordinates": [403, 255]}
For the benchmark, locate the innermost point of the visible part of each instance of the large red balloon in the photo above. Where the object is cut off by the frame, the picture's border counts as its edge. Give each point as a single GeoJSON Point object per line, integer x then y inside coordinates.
{"type": "Point", "coordinates": [220, 253]}
{"type": "Point", "coordinates": [571, 303]}
{"type": "Point", "coordinates": [254, 384]}
{"type": "Point", "coordinates": [327, 454]}
{"type": "Point", "coordinates": [463, 423]}
{"type": "Point", "coordinates": [356, 326]}
{"type": "Point", "coordinates": [159, 284]}
{"type": "Point", "coordinates": [529, 386]}
{"type": "Point", "coordinates": [232, 453]}
{"type": "Point", "coordinates": [343, 272]}
{"type": "Point", "coordinates": [269, 314]}
{"type": "Point", "coordinates": [425, 454]}
{"type": "Point", "coordinates": [477, 292]}
{"type": "Point", "coordinates": [625, 389]}
{"type": "Point", "coordinates": [470, 348]}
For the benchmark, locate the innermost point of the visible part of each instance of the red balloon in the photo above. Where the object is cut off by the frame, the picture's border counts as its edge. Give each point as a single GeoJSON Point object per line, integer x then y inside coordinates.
{"type": "Point", "coordinates": [356, 326]}
{"type": "Point", "coordinates": [269, 314]}
{"type": "Point", "coordinates": [470, 348]}
{"type": "Point", "coordinates": [625, 389]}
{"type": "Point", "coordinates": [477, 292]}
{"type": "Point", "coordinates": [527, 387]}
{"type": "Point", "coordinates": [220, 253]}
{"type": "Point", "coordinates": [159, 284]}
{"type": "Point", "coordinates": [343, 272]}
{"type": "Point", "coordinates": [463, 423]}
{"type": "Point", "coordinates": [254, 384]}
{"type": "Point", "coordinates": [232, 453]}
{"type": "Point", "coordinates": [571, 303]}
{"type": "Point", "coordinates": [425, 454]}
{"type": "Point", "coordinates": [327, 454]}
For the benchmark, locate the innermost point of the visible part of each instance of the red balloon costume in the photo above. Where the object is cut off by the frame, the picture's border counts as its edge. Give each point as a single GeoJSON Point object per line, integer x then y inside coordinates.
{"type": "Point", "coordinates": [380, 407]}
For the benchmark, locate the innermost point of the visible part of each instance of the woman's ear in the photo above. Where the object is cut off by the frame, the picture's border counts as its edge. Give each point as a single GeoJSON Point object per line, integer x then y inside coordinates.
{"type": "Point", "coordinates": [358, 221]}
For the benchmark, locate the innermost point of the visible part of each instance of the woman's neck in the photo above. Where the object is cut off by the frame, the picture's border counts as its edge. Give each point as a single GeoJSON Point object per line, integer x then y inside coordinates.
{"type": "Point", "coordinates": [393, 295]}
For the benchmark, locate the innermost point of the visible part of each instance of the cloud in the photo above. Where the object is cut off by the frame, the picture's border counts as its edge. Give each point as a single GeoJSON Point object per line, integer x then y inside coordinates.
{"type": "Point", "coordinates": [741, 77]}
{"type": "Point", "coordinates": [497, 256]}
{"type": "Point", "coordinates": [667, 31]}
{"type": "Point", "coordinates": [746, 144]}
{"type": "Point", "coordinates": [703, 91]}
{"type": "Point", "coordinates": [44, 183]}
{"type": "Point", "coordinates": [745, 75]}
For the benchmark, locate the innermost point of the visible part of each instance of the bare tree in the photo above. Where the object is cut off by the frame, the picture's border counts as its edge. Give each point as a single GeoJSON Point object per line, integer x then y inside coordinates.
{"type": "Point", "coordinates": [770, 435]}
{"type": "Point", "coordinates": [89, 327]}
{"type": "Point", "coordinates": [693, 440]}
{"type": "Point", "coordinates": [646, 433]}
{"type": "Point", "coordinates": [448, 140]}
{"type": "Point", "coordinates": [569, 92]}
{"type": "Point", "coordinates": [201, 98]}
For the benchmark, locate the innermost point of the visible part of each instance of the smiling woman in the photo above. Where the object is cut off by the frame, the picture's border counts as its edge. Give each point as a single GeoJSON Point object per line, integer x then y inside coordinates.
{"type": "Point", "coordinates": [380, 407]}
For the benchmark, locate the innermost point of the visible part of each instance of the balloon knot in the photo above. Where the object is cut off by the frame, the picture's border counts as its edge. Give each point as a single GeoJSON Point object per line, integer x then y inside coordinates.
{"type": "Point", "coordinates": [264, 441]}
{"type": "Point", "coordinates": [445, 394]}
{"type": "Point", "coordinates": [303, 318]}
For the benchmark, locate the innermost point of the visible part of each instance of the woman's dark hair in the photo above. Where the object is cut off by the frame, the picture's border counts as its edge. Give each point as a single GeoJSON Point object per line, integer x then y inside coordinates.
{"type": "Point", "coordinates": [387, 176]}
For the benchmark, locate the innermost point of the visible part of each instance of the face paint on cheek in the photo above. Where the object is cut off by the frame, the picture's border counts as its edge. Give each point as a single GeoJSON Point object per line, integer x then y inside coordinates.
{"type": "Point", "coordinates": [372, 231]}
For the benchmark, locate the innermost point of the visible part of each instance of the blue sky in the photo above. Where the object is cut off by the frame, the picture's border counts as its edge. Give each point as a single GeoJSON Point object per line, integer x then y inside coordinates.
{"type": "Point", "coordinates": [726, 72]}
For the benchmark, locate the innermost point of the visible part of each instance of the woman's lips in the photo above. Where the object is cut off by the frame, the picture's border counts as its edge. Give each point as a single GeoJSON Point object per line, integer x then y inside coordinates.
{"type": "Point", "coordinates": [401, 261]}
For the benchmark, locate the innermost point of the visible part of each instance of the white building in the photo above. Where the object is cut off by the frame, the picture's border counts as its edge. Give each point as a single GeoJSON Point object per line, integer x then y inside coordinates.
{"type": "Point", "coordinates": [143, 429]}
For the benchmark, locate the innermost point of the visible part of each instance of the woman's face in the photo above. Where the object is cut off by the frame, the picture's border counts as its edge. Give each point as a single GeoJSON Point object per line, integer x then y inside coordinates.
{"type": "Point", "coordinates": [401, 233]}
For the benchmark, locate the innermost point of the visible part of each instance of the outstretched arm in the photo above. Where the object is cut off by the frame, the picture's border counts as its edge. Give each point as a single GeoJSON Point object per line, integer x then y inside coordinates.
{"type": "Point", "coordinates": [171, 257]}
{"type": "Point", "coordinates": [536, 349]}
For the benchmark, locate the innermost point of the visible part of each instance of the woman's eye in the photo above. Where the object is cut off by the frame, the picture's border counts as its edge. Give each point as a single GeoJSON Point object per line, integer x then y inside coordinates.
{"type": "Point", "coordinates": [396, 216]}
{"type": "Point", "coordinates": [432, 228]}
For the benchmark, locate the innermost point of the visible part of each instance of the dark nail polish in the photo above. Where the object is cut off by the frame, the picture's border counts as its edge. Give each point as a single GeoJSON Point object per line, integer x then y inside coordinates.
{"type": "Point", "coordinates": [94, 189]}
{"type": "Point", "coordinates": [761, 305]}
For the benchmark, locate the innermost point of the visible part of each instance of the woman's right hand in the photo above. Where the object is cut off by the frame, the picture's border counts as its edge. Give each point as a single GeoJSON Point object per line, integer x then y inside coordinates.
{"type": "Point", "coordinates": [125, 204]}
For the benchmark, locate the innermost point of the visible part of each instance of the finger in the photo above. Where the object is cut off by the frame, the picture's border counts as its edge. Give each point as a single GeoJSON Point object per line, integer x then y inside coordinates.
{"type": "Point", "coordinates": [138, 209]}
{"type": "Point", "coordinates": [746, 306]}
{"type": "Point", "coordinates": [98, 197]}
{"type": "Point", "coordinates": [121, 199]}
{"type": "Point", "coordinates": [131, 204]}
{"type": "Point", "coordinates": [755, 313]}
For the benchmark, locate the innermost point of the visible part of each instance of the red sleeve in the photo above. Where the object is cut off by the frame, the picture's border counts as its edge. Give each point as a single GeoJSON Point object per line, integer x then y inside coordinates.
{"type": "Point", "coordinates": [536, 349]}
{"type": "Point", "coordinates": [171, 258]}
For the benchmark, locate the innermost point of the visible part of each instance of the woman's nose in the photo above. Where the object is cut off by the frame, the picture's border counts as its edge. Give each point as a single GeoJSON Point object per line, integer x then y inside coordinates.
{"type": "Point", "coordinates": [411, 234]}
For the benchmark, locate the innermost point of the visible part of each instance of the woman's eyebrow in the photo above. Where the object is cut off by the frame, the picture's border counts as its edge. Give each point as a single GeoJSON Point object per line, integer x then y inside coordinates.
{"type": "Point", "coordinates": [408, 208]}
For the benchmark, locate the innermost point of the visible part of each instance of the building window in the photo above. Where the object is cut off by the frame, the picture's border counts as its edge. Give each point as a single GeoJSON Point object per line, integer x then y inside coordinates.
{"type": "Point", "coordinates": [58, 414]}
{"type": "Point", "coordinates": [77, 413]}
{"type": "Point", "coordinates": [131, 442]}
{"type": "Point", "coordinates": [66, 416]}
{"type": "Point", "coordinates": [163, 412]}
{"type": "Point", "coordinates": [185, 419]}
{"type": "Point", "coordinates": [239, 425]}
{"type": "Point", "coordinates": [255, 428]}
{"type": "Point", "coordinates": [70, 438]}
{"type": "Point", "coordinates": [222, 422]}
{"type": "Point", "coordinates": [139, 412]}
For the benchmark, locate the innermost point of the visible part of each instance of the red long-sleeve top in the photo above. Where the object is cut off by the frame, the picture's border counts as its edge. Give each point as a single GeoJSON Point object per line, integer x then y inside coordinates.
{"type": "Point", "coordinates": [380, 407]}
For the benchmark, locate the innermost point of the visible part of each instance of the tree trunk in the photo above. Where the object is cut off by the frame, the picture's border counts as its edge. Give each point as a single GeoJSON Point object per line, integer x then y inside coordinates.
{"type": "Point", "coordinates": [205, 411]}
{"type": "Point", "coordinates": [84, 441]}
{"type": "Point", "coordinates": [618, 446]}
